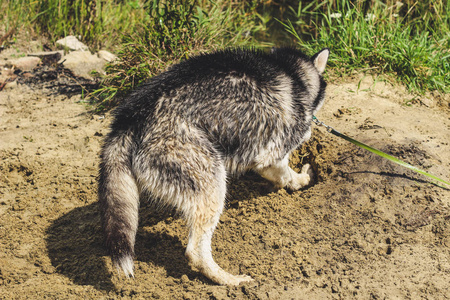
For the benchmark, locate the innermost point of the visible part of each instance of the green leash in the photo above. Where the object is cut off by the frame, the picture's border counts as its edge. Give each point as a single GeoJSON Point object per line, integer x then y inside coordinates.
{"type": "Point", "coordinates": [378, 152]}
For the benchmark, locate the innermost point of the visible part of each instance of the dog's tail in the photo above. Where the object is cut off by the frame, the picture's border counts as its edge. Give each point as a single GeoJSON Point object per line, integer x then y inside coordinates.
{"type": "Point", "coordinates": [119, 200]}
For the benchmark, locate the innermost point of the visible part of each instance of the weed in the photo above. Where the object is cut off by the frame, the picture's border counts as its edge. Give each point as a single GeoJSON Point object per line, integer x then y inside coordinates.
{"type": "Point", "coordinates": [412, 44]}
{"type": "Point", "coordinates": [408, 39]}
{"type": "Point", "coordinates": [174, 31]}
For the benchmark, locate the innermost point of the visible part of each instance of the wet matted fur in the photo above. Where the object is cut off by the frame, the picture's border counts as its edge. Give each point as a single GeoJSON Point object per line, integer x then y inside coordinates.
{"type": "Point", "coordinates": [178, 136]}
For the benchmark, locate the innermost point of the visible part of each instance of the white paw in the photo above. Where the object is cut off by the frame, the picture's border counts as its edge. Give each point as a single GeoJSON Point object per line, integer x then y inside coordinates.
{"type": "Point", "coordinates": [306, 169]}
{"type": "Point", "coordinates": [211, 270]}
{"type": "Point", "coordinates": [303, 179]}
{"type": "Point", "coordinates": [235, 279]}
{"type": "Point", "coordinates": [222, 277]}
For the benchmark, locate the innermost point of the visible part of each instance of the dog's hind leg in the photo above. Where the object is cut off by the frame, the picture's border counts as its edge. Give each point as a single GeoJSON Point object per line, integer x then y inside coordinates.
{"type": "Point", "coordinates": [186, 172]}
{"type": "Point", "coordinates": [281, 175]}
{"type": "Point", "coordinates": [202, 218]}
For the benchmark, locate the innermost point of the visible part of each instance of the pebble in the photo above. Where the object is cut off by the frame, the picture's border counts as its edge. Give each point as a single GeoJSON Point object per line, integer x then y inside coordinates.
{"type": "Point", "coordinates": [70, 42]}
{"type": "Point", "coordinates": [83, 63]}
{"type": "Point", "coordinates": [79, 60]}
{"type": "Point", "coordinates": [184, 278]}
{"type": "Point", "coordinates": [106, 55]}
{"type": "Point", "coordinates": [26, 63]}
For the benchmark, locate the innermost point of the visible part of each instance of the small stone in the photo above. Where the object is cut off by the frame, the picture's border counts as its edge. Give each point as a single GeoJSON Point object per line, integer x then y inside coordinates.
{"type": "Point", "coordinates": [106, 55]}
{"type": "Point", "coordinates": [7, 72]}
{"type": "Point", "coordinates": [26, 63]}
{"type": "Point", "coordinates": [72, 43]}
{"type": "Point", "coordinates": [27, 75]}
{"type": "Point", "coordinates": [184, 278]}
{"type": "Point", "coordinates": [10, 85]}
{"type": "Point", "coordinates": [83, 63]}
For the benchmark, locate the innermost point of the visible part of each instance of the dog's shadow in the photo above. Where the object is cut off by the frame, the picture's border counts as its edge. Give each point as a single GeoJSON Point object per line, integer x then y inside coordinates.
{"type": "Point", "coordinates": [75, 247]}
{"type": "Point", "coordinates": [75, 241]}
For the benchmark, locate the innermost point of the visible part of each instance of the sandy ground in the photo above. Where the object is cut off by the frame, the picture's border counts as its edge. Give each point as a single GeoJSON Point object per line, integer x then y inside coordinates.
{"type": "Point", "coordinates": [367, 229]}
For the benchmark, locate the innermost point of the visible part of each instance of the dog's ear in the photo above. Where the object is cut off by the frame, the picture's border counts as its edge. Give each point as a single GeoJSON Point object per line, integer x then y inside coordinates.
{"type": "Point", "coordinates": [320, 59]}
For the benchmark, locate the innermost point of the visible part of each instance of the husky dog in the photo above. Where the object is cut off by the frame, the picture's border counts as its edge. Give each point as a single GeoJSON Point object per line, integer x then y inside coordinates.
{"type": "Point", "coordinates": [181, 134]}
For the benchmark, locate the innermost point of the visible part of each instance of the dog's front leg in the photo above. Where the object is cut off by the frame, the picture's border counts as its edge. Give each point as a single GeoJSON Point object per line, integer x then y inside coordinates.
{"type": "Point", "coordinates": [281, 175]}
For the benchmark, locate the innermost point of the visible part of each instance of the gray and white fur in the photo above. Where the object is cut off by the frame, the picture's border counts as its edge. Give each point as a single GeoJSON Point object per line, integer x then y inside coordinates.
{"type": "Point", "coordinates": [181, 134]}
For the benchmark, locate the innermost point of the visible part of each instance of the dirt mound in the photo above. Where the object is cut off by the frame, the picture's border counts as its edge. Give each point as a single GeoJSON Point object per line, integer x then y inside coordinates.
{"type": "Point", "coordinates": [365, 229]}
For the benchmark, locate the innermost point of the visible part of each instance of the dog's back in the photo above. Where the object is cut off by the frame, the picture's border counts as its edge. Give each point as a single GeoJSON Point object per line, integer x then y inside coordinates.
{"type": "Point", "coordinates": [179, 135]}
{"type": "Point", "coordinates": [241, 100]}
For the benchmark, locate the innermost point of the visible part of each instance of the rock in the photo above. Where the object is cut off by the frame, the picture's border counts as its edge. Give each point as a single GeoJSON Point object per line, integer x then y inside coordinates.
{"type": "Point", "coordinates": [26, 75]}
{"type": "Point", "coordinates": [184, 279]}
{"type": "Point", "coordinates": [26, 63]}
{"type": "Point", "coordinates": [10, 85]}
{"type": "Point", "coordinates": [7, 72]}
{"type": "Point", "coordinates": [48, 58]}
{"type": "Point", "coordinates": [72, 43]}
{"type": "Point", "coordinates": [83, 63]}
{"type": "Point", "coordinates": [7, 75]}
{"type": "Point", "coordinates": [106, 55]}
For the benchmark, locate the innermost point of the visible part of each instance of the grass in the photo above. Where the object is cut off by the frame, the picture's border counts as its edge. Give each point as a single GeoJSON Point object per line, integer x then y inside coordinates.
{"type": "Point", "coordinates": [148, 35]}
{"type": "Point", "coordinates": [409, 40]}
{"type": "Point", "coordinates": [98, 23]}
{"type": "Point", "coordinates": [411, 44]}
{"type": "Point", "coordinates": [174, 31]}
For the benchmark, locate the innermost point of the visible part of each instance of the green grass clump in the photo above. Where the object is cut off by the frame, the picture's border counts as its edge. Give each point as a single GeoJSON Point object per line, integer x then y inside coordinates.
{"type": "Point", "coordinates": [409, 39]}
{"type": "Point", "coordinates": [174, 30]}
{"type": "Point", "coordinates": [147, 35]}
{"type": "Point", "coordinates": [98, 23]}
{"type": "Point", "coordinates": [412, 45]}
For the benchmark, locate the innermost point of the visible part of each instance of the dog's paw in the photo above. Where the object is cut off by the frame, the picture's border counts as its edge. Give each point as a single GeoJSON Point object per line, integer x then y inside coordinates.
{"type": "Point", "coordinates": [235, 279]}
{"type": "Point", "coordinates": [307, 169]}
{"type": "Point", "coordinates": [219, 275]}
{"type": "Point", "coordinates": [303, 179]}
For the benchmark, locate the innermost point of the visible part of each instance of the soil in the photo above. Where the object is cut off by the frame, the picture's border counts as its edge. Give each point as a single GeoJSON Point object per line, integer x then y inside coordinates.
{"type": "Point", "coordinates": [367, 228]}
